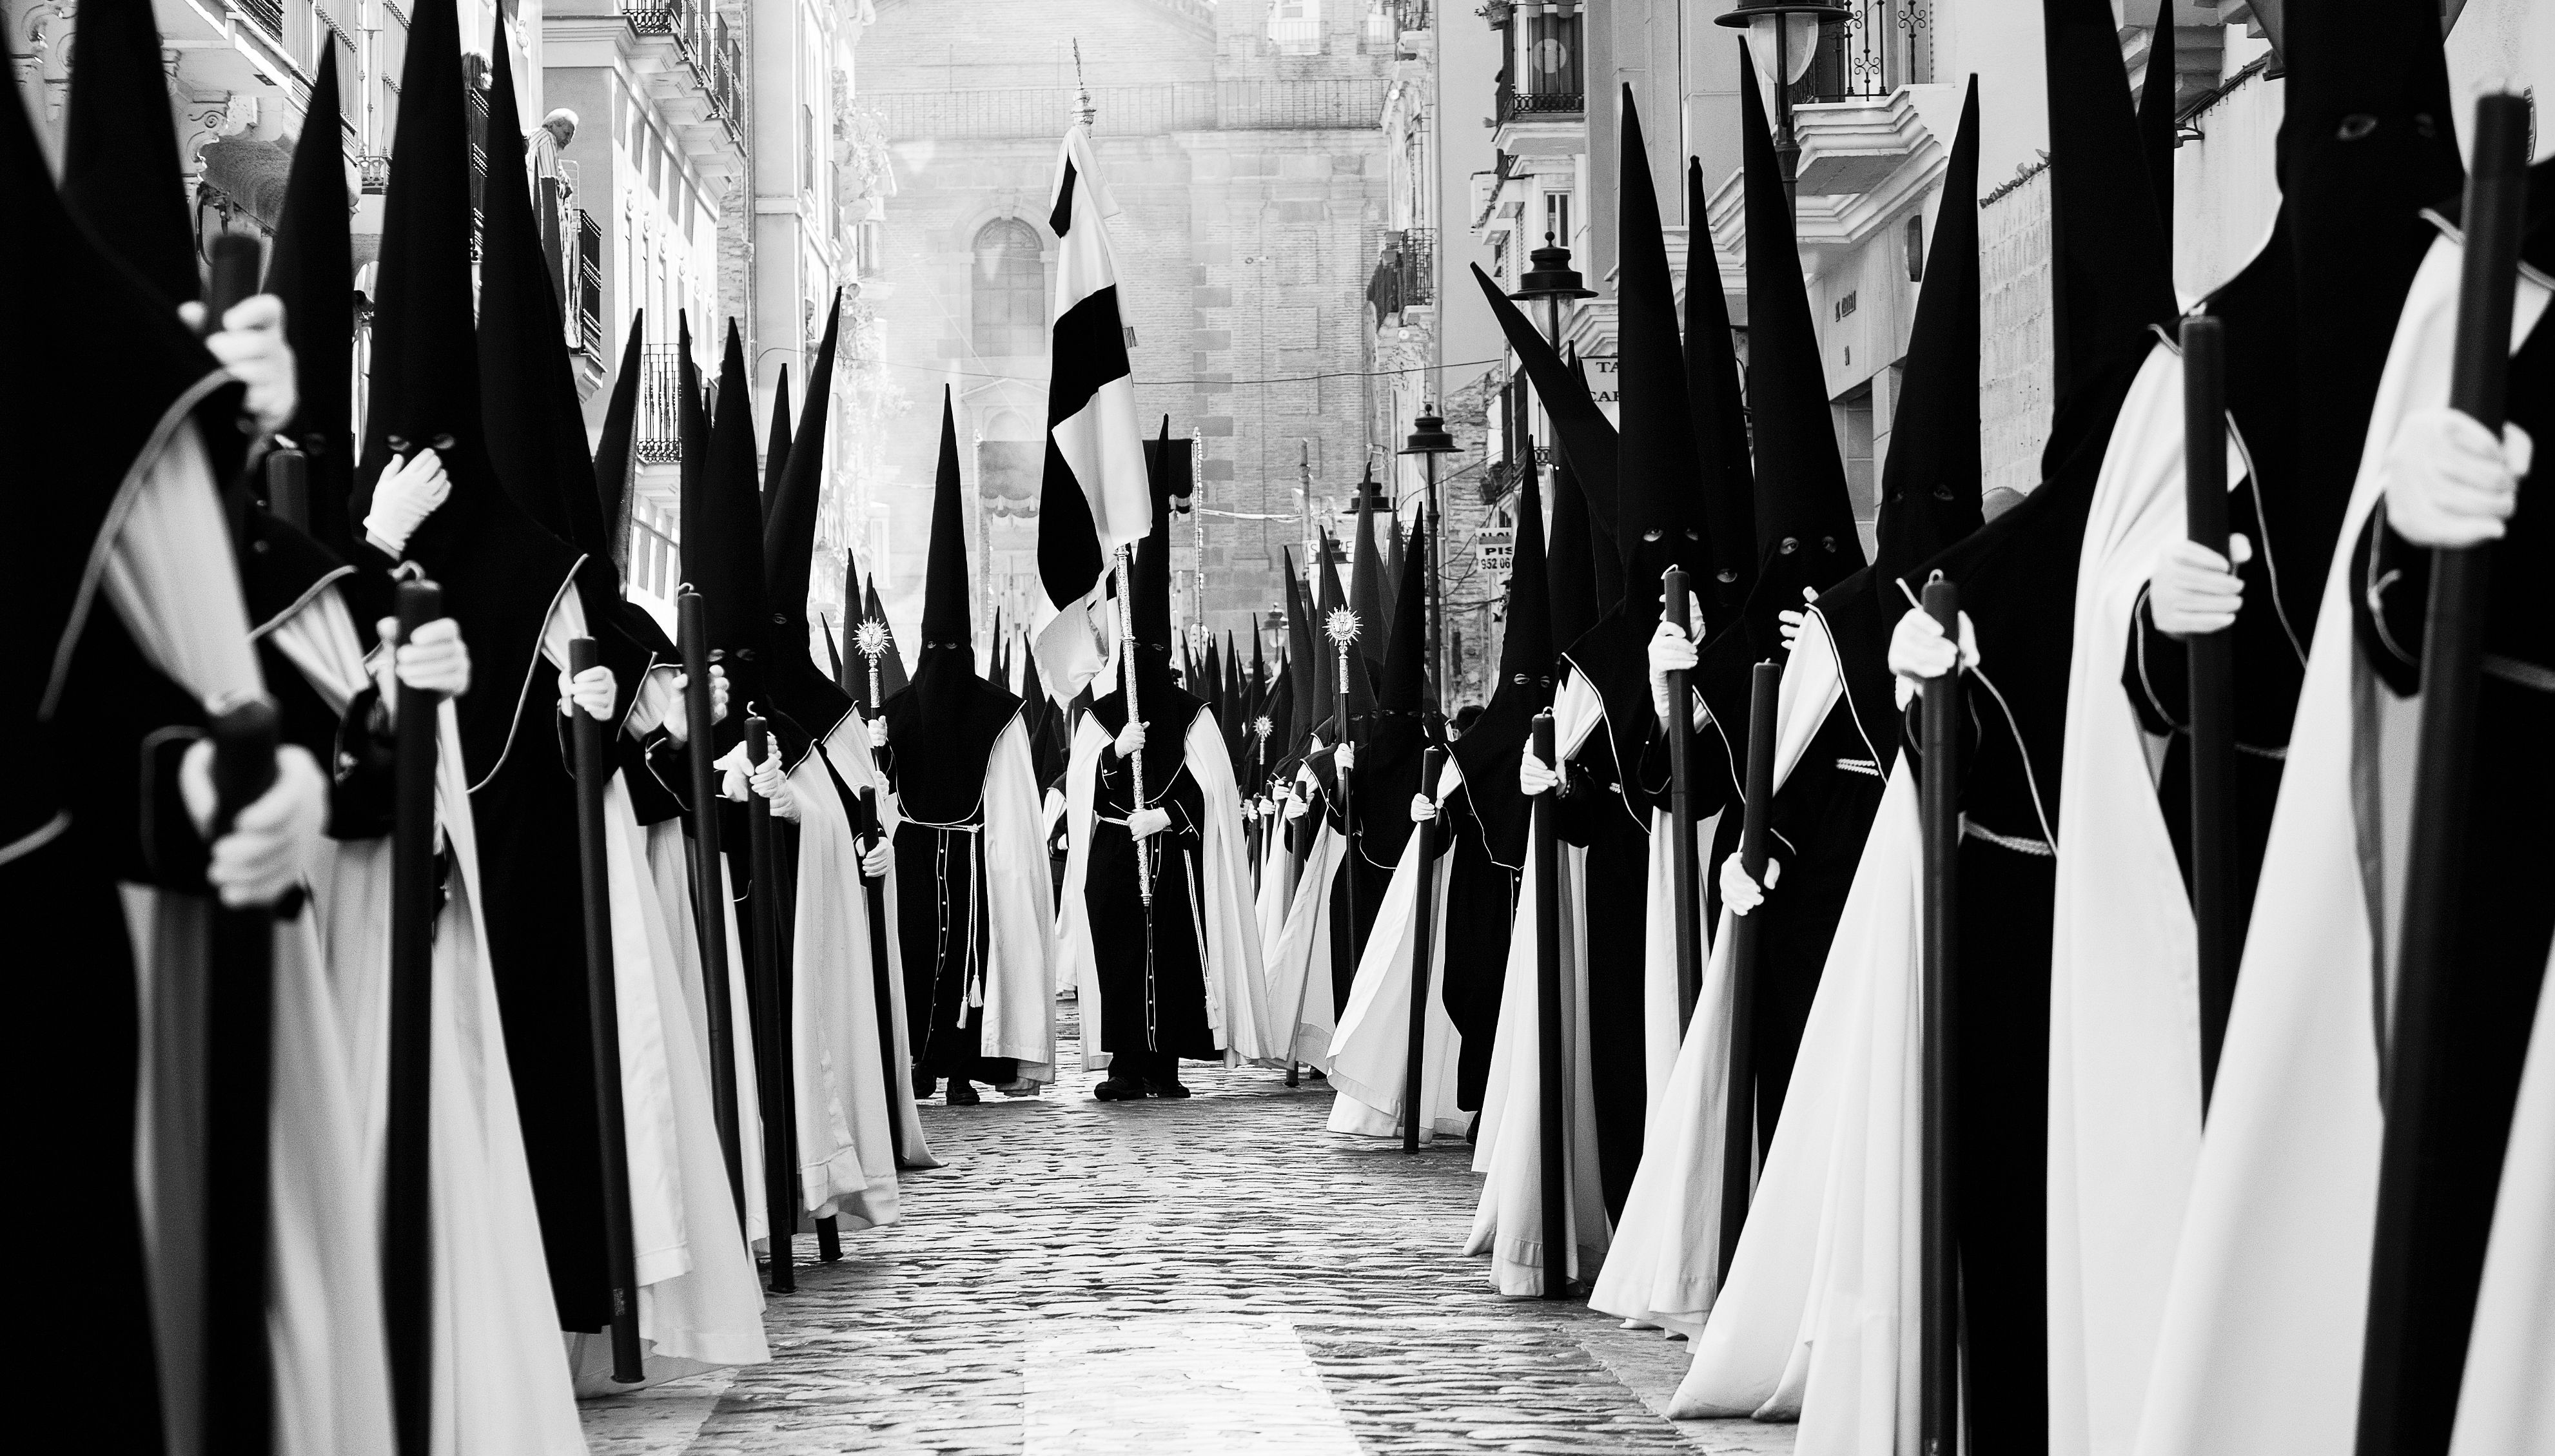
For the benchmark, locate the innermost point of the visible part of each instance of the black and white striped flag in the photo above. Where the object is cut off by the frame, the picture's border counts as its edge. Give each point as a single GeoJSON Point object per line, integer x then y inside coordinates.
{"type": "Point", "coordinates": [1094, 497]}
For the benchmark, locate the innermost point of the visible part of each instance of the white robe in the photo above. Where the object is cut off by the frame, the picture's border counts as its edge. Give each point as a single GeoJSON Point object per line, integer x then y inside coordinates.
{"type": "Point", "coordinates": [1297, 966]}
{"type": "Point", "coordinates": [2259, 1346]}
{"type": "Point", "coordinates": [499, 1376]}
{"type": "Point", "coordinates": [1507, 1223]}
{"type": "Point", "coordinates": [1237, 1008]}
{"type": "Point", "coordinates": [2507, 1405]}
{"type": "Point", "coordinates": [1370, 1051]}
{"type": "Point", "coordinates": [849, 750]}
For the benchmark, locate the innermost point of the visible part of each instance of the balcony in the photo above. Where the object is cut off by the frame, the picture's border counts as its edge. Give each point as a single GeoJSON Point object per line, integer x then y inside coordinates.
{"type": "Point", "coordinates": [1878, 47]}
{"type": "Point", "coordinates": [661, 413]}
{"type": "Point", "coordinates": [694, 71]}
{"type": "Point", "coordinates": [1406, 276]}
{"type": "Point", "coordinates": [586, 320]}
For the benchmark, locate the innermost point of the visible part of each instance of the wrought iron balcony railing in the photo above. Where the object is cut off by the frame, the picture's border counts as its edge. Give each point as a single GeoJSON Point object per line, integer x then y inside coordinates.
{"type": "Point", "coordinates": [661, 413]}
{"type": "Point", "coordinates": [1878, 47]}
{"type": "Point", "coordinates": [1542, 105]}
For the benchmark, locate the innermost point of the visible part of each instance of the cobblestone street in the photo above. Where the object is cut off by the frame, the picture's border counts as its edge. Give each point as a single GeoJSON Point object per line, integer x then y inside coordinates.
{"type": "Point", "coordinates": [1215, 1275]}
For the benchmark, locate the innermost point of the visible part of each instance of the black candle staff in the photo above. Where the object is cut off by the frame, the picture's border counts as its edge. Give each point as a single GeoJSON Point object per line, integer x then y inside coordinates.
{"type": "Point", "coordinates": [603, 1019]}
{"type": "Point", "coordinates": [408, 1225]}
{"type": "Point", "coordinates": [1414, 1116]}
{"type": "Point", "coordinates": [1738, 1135]}
{"type": "Point", "coordinates": [237, 1394]}
{"type": "Point", "coordinates": [709, 888]}
{"type": "Point", "coordinates": [2212, 693]}
{"type": "Point", "coordinates": [772, 1013]}
{"type": "Point", "coordinates": [1547, 1000]}
{"type": "Point", "coordinates": [1938, 1392]}
{"type": "Point", "coordinates": [1689, 913]}
{"type": "Point", "coordinates": [882, 972]}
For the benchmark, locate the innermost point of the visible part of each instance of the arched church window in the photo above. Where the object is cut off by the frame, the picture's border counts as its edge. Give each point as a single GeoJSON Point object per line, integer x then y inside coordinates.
{"type": "Point", "coordinates": [1007, 293]}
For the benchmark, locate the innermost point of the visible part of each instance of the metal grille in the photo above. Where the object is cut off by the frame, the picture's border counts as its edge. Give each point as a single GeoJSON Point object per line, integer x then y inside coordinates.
{"type": "Point", "coordinates": [1045, 111]}
{"type": "Point", "coordinates": [589, 284]}
{"type": "Point", "coordinates": [661, 393]}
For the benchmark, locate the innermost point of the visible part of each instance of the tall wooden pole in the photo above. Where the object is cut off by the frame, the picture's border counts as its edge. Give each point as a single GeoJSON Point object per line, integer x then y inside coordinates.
{"type": "Point", "coordinates": [407, 1225]}
{"type": "Point", "coordinates": [709, 887]}
{"type": "Point", "coordinates": [1549, 1062]}
{"type": "Point", "coordinates": [603, 1017]}
{"type": "Point", "coordinates": [882, 987]}
{"type": "Point", "coordinates": [1414, 1115]}
{"type": "Point", "coordinates": [774, 1075]}
{"type": "Point", "coordinates": [237, 1394]}
{"type": "Point", "coordinates": [2421, 1043]}
{"type": "Point", "coordinates": [1680, 729]}
{"type": "Point", "coordinates": [2212, 693]}
{"type": "Point", "coordinates": [1739, 1139]}
{"type": "Point", "coordinates": [1938, 1259]}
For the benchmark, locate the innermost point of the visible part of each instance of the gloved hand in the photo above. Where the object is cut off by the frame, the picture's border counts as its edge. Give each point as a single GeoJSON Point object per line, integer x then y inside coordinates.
{"type": "Point", "coordinates": [1534, 775]}
{"type": "Point", "coordinates": [270, 843]}
{"type": "Point", "coordinates": [405, 494]}
{"type": "Point", "coordinates": [592, 690]}
{"type": "Point", "coordinates": [433, 660]}
{"type": "Point", "coordinates": [2449, 482]}
{"type": "Point", "coordinates": [1344, 758]}
{"type": "Point", "coordinates": [771, 783]}
{"type": "Point", "coordinates": [734, 767]}
{"type": "Point", "coordinates": [878, 731]}
{"type": "Point", "coordinates": [2194, 591]}
{"type": "Point", "coordinates": [1792, 621]}
{"type": "Point", "coordinates": [1145, 824]}
{"type": "Point", "coordinates": [1250, 810]}
{"type": "Point", "coordinates": [1741, 894]}
{"type": "Point", "coordinates": [1129, 740]}
{"type": "Point", "coordinates": [1422, 808]}
{"type": "Point", "coordinates": [678, 723]}
{"type": "Point", "coordinates": [251, 347]}
{"type": "Point", "coordinates": [879, 858]}
{"type": "Point", "coordinates": [1672, 650]}
{"type": "Point", "coordinates": [1918, 652]}
{"type": "Point", "coordinates": [1298, 806]}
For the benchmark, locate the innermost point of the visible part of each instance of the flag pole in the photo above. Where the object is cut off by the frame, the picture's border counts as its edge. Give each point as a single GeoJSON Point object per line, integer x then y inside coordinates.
{"type": "Point", "coordinates": [603, 1020]}
{"type": "Point", "coordinates": [408, 1263]}
{"type": "Point", "coordinates": [1739, 1137]}
{"type": "Point", "coordinates": [2212, 693]}
{"type": "Point", "coordinates": [1938, 1388]}
{"type": "Point", "coordinates": [1135, 714]}
{"type": "Point", "coordinates": [2423, 1037]}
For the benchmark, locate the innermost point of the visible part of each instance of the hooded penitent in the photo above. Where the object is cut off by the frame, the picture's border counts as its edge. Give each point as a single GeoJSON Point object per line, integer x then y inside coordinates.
{"type": "Point", "coordinates": [120, 143]}
{"type": "Point", "coordinates": [1719, 414]}
{"type": "Point", "coordinates": [1660, 520]}
{"type": "Point", "coordinates": [613, 452]}
{"type": "Point", "coordinates": [723, 558]}
{"type": "Point", "coordinates": [1392, 735]}
{"type": "Point", "coordinates": [1572, 572]}
{"type": "Point", "coordinates": [308, 270]}
{"type": "Point", "coordinates": [775, 454]}
{"type": "Point", "coordinates": [793, 684]}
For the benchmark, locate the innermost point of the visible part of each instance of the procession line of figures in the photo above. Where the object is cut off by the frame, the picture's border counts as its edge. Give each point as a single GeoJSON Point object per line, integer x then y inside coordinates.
{"type": "Point", "coordinates": [454, 945]}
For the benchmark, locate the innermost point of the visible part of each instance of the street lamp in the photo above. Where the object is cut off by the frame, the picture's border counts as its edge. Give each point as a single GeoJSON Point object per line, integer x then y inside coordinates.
{"type": "Point", "coordinates": [1787, 33]}
{"type": "Point", "coordinates": [1429, 441]}
{"type": "Point", "coordinates": [1551, 280]}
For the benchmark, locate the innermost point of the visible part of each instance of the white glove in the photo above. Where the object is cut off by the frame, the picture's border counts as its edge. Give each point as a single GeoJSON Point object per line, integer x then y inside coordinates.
{"type": "Point", "coordinates": [1917, 651]}
{"type": "Point", "coordinates": [2449, 482]}
{"type": "Point", "coordinates": [878, 731]}
{"type": "Point", "coordinates": [733, 767]}
{"type": "Point", "coordinates": [1250, 810]}
{"type": "Point", "coordinates": [771, 783]}
{"type": "Point", "coordinates": [1145, 824]}
{"type": "Point", "coordinates": [1790, 623]}
{"type": "Point", "coordinates": [878, 859]}
{"type": "Point", "coordinates": [1297, 806]}
{"type": "Point", "coordinates": [405, 494]}
{"type": "Point", "coordinates": [433, 660]}
{"type": "Point", "coordinates": [678, 723]}
{"type": "Point", "coordinates": [1672, 650]}
{"type": "Point", "coordinates": [1534, 775]}
{"type": "Point", "coordinates": [1422, 808]}
{"type": "Point", "coordinates": [272, 842]}
{"type": "Point", "coordinates": [1129, 740]}
{"type": "Point", "coordinates": [2194, 591]}
{"type": "Point", "coordinates": [1741, 894]}
{"type": "Point", "coordinates": [592, 690]}
{"type": "Point", "coordinates": [251, 347]}
{"type": "Point", "coordinates": [1344, 758]}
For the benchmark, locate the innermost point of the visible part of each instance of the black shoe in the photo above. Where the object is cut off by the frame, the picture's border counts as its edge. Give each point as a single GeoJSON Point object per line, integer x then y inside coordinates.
{"type": "Point", "coordinates": [1167, 1088]}
{"type": "Point", "coordinates": [962, 1093]}
{"type": "Point", "coordinates": [922, 1086]}
{"type": "Point", "coordinates": [1120, 1089]}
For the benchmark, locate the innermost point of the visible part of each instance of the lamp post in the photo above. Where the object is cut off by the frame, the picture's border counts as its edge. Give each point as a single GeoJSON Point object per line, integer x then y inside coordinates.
{"type": "Point", "coordinates": [1776, 29]}
{"type": "Point", "coordinates": [1429, 441]}
{"type": "Point", "coordinates": [1550, 279]}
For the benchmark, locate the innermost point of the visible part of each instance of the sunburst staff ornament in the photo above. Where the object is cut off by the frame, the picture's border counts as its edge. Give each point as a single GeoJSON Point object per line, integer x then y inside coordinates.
{"type": "Point", "coordinates": [870, 639]}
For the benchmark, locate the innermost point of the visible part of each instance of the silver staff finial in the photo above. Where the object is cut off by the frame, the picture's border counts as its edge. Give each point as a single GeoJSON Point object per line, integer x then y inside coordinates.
{"type": "Point", "coordinates": [1083, 111]}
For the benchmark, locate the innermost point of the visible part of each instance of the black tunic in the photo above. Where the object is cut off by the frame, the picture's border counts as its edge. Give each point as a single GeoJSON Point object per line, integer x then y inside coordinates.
{"type": "Point", "coordinates": [1151, 963]}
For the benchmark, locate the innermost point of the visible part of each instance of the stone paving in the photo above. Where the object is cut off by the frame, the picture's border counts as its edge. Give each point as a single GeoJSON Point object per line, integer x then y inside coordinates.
{"type": "Point", "coordinates": [1213, 1276]}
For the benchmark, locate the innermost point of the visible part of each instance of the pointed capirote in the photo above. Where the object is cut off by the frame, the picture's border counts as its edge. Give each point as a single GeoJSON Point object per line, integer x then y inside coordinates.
{"type": "Point", "coordinates": [1605, 544]}
{"type": "Point", "coordinates": [776, 452]}
{"type": "Point", "coordinates": [1660, 520]}
{"type": "Point", "coordinates": [891, 672]}
{"type": "Point", "coordinates": [1584, 432]}
{"type": "Point", "coordinates": [1366, 579]}
{"type": "Point", "coordinates": [308, 270]}
{"type": "Point", "coordinates": [121, 176]}
{"type": "Point", "coordinates": [1571, 573]}
{"type": "Point", "coordinates": [1523, 689]}
{"type": "Point", "coordinates": [614, 450]}
{"type": "Point", "coordinates": [1403, 686]}
{"type": "Point", "coordinates": [948, 623]}
{"type": "Point", "coordinates": [527, 395]}
{"type": "Point", "coordinates": [2155, 132]}
{"type": "Point", "coordinates": [1718, 411]}
{"type": "Point", "coordinates": [723, 557]}
{"type": "Point", "coordinates": [1929, 485]}
{"type": "Point", "coordinates": [1309, 699]}
{"type": "Point", "coordinates": [1805, 526]}
{"type": "Point", "coordinates": [2111, 278]}
{"type": "Point", "coordinates": [809, 696]}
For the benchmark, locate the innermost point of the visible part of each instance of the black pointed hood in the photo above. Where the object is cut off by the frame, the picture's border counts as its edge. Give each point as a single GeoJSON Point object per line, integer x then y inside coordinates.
{"type": "Point", "coordinates": [1586, 436]}
{"type": "Point", "coordinates": [723, 558]}
{"type": "Point", "coordinates": [775, 454]}
{"type": "Point", "coordinates": [1929, 485]}
{"type": "Point", "coordinates": [835, 657]}
{"type": "Point", "coordinates": [1310, 696]}
{"type": "Point", "coordinates": [1805, 528]}
{"type": "Point", "coordinates": [613, 455]}
{"type": "Point", "coordinates": [1658, 481]}
{"type": "Point", "coordinates": [1605, 541]}
{"type": "Point", "coordinates": [1368, 595]}
{"type": "Point", "coordinates": [1397, 730]}
{"type": "Point", "coordinates": [1487, 753]}
{"type": "Point", "coordinates": [120, 171]}
{"type": "Point", "coordinates": [1404, 688]}
{"type": "Point", "coordinates": [692, 419]}
{"type": "Point", "coordinates": [892, 674]}
{"type": "Point", "coordinates": [941, 729]}
{"type": "Point", "coordinates": [1719, 413]}
{"type": "Point", "coordinates": [2155, 130]}
{"type": "Point", "coordinates": [2111, 278]}
{"type": "Point", "coordinates": [1572, 589]}
{"type": "Point", "coordinates": [797, 686]}
{"type": "Point", "coordinates": [1168, 468]}
{"type": "Point", "coordinates": [500, 570]}
{"type": "Point", "coordinates": [527, 387]}
{"type": "Point", "coordinates": [312, 269]}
